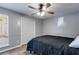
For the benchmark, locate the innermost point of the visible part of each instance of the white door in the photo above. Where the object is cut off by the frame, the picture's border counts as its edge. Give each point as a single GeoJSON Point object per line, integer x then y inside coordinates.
{"type": "Point", "coordinates": [27, 30]}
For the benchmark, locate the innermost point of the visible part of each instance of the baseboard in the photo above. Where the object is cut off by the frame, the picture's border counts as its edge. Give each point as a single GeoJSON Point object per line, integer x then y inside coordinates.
{"type": "Point", "coordinates": [4, 45]}
{"type": "Point", "coordinates": [10, 48]}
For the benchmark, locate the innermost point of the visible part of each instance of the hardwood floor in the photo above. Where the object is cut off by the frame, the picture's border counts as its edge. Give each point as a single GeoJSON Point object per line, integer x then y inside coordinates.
{"type": "Point", "coordinates": [17, 51]}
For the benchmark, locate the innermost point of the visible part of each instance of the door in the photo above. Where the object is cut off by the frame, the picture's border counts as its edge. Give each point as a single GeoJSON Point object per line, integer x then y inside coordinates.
{"type": "Point", "coordinates": [27, 29]}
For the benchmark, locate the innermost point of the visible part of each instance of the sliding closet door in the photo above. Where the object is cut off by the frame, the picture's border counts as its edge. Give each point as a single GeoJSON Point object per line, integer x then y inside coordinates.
{"type": "Point", "coordinates": [27, 29]}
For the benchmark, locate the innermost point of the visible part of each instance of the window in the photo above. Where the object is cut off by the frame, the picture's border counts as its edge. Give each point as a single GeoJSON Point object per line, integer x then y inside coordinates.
{"type": "Point", "coordinates": [3, 25]}
{"type": "Point", "coordinates": [60, 21]}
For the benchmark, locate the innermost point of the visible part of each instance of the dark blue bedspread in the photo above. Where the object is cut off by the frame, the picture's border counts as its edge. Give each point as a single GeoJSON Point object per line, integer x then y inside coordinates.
{"type": "Point", "coordinates": [51, 45]}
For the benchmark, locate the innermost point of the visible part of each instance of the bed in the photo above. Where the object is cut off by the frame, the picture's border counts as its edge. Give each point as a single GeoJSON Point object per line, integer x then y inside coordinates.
{"type": "Point", "coordinates": [51, 45]}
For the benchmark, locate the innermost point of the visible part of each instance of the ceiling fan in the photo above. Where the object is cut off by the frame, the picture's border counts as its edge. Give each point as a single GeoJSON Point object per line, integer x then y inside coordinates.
{"type": "Point", "coordinates": [42, 9]}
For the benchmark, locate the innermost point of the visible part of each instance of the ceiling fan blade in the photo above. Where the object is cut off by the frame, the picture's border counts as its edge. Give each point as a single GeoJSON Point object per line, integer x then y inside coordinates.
{"type": "Point", "coordinates": [31, 7]}
{"type": "Point", "coordinates": [50, 12]}
{"type": "Point", "coordinates": [48, 5]}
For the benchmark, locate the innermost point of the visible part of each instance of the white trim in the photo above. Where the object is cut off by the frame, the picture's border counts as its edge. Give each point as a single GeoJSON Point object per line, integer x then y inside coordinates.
{"type": "Point", "coordinates": [4, 45]}
{"type": "Point", "coordinates": [21, 30]}
{"type": "Point", "coordinates": [10, 48]}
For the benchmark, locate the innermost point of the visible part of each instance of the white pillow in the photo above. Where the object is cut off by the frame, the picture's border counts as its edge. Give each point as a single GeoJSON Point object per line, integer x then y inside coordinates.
{"type": "Point", "coordinates": [75, 43]}
{"type": "Point", "coordinates": [77, 38]}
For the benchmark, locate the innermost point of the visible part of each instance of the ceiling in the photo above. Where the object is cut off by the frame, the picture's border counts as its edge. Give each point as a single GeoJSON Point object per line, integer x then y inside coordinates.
{"type": "Point", "coordinates": [58, 8]}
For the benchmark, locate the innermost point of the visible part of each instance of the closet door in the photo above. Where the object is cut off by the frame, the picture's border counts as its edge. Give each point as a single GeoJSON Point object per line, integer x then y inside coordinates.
{"type": "Point", "coordinates": [27, 29]}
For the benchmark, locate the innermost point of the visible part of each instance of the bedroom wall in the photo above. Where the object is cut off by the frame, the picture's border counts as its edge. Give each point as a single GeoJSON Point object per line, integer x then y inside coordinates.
{"type": "Point", "coordinates": [21, 29]}
{"type": "Point", "coordinates": [14, 30]}
{"type": "Point", "coordinates": [69, 27]}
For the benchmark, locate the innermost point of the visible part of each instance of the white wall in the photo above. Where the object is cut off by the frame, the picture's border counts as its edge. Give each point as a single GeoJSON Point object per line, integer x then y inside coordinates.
{"type": "Point", "coordinates": [69, 28]}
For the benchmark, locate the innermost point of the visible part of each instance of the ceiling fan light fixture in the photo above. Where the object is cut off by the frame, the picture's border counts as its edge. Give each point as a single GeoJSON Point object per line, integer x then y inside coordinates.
{"type": "Point", "coordinates": [42, 9]}
{"type": "Point", "coordinates": [42, 13]}
{"type": "Point", "coordinates": [38, 13]}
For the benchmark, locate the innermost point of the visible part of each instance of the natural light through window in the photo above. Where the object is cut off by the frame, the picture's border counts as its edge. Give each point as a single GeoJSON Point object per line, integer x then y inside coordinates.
{"type": "Point", "coordinates": [3, 25]}
{"type": "Point", "coordinates": [60, 21]}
